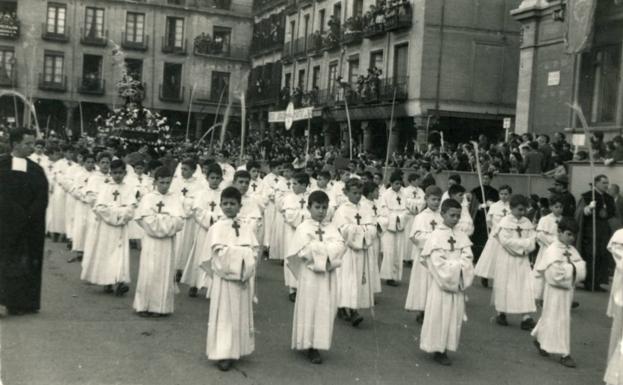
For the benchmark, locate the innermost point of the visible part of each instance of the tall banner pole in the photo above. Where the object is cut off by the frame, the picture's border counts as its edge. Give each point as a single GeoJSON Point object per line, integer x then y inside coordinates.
{"type": "Point", "coordinates": [482, 188]}
{"type": "Point", "coordinates": [243, 123]}
{"type": "Point", "coordinates": [389, 137]}
{"type": "Point", "coordinates": [190, 109]}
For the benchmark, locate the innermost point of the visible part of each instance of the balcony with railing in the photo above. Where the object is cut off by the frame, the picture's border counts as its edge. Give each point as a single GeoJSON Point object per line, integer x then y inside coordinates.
{"type": "Point", "coordinates": [170, 46]}
{"type": "Point", "coordinates": [368, 90]}
{"type": "Point", "coordinates": [93, 38]}
{"type": "Point", "coordinates": [261, 94]}
{"type": "Point", "coordinates": [382, 19]}
{"type": "Point", "coordinates": [299, 48]}
{"type": "Point", "coordinates": [288, 52]}
{"type": "Point", "coordinates": [399, 17]}
{"type": "Point", "coordinates": [315, 43]}
{"type": "Point", "coordinates": [352, 32]}
{"type": "Point", "coordinates": [92, 85]}
{"type": "Point", "coordinates": [172, 94]}
{"type": "Point", "coordinates": [210, 96]}
{"type": "Point", "coordinates": [260, 6]}
{"type": "Point", "coordinates": [134, 45]}
{"type": "Point", "coordinates": [220, 50]}
{"type": "Point", "coordinates": [8, 78]}
{"type": "Point", "coordinates": [50, 34]}
{"type": "Point", "coordinates": [49, 83]}
{"type": "Point", "coordinates": [9, 27]}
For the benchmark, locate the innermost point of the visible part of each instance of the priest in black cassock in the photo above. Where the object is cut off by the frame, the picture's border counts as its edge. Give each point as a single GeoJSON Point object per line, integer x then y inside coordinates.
{"type": "Point", "coordinates": [604, 210]}
{"type": "Point", "coordinates": [479, 213]}
{"type": "Point", "coordinates": [23, 201]}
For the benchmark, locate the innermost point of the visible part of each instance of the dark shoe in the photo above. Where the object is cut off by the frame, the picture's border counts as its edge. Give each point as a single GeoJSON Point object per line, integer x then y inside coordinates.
{"type": "Point", "coordinates": [178, 276]}
{"type": "Point", "coordinates": [420, 318]}
{"type": "Point", "coordinates": [575, 304]}
{"type": "Point", "coordinates": [442, 358]}
{"type": "Point", "coordinates": [408, 263]}
{"type": "Point", "coordinates": [501, 319]}
{"type": "Point", "coordinates": [121, 289]}
{"type": "Point", "coordinates": [157, 315]}
{"type": "Point", "coordinates": [527, 324]}
{"type": "Point", "coordinates": [484, 282]}
{"type": "Point", "coordinates": [192, 292]}
{"type": "Point", "coordinates": [69, 245]}
{"type": "Point", "coordinates": [79, 257]}
{"type": "Point", "coordinates": [225, 365]}
{"type": "Point", "coordinates": [355, 318]}
{"type": "Point", "coordinates": [342, 313]}
{"type": "Point", "coordinates": [292, 297]}
{"type": "Point", "coordinates": [281, 262]}
{"type": "Point", "coordinates": [108, 289]}
{"type": "Point", "coordinates": [13, 311]}
{"type": "Point", "coordinates": [600, 289]}
{"type": "Point", "coordinates": [391, 282]}
{"type": "Point", "coordinates": [539, 303]}
{"type": "Point", "coordinates": [144, 314]}
{"type": "Point", "coordinates": [55, 237]}
{"type": "Point", "coordinates": [568, 361]}
{"type": "Point", "coordinates": [538, 347]}
{"type": "Point", "coordinates": [314, 356]}
{"type": "Point", "coordinates": [73, 259]}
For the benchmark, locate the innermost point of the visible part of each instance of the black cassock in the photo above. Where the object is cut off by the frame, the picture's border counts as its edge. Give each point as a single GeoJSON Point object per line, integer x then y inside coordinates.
{"type": "Point", "coordinates": [23, 202]}
{"type": "Point", "coordinates": [480, 235]}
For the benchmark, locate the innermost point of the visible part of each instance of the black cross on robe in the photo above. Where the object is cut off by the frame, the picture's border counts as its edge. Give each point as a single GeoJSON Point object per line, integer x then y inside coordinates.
{"type": "Point", "coordinates": [115, 194]}
{"type": "Point", "coordinates": [212, 206]}
{"type": "Point", "coordinates": [358, 218]}
{"type": "Point", "coordinates": [374, 208]}
{"type": "Point", "coordinates": [302, 202]}
{"type": "Point", "coordinates": [319, 233]}
{"type": "Point", "coordinates": [236, 227]}
{"type": "Point", "coordinates": [254, 186]}
{"type": "Point", "coordinates": [160, 205]}
{"type": "Point", "coordinates": [184, 191]}
{"type": "Point", "coordinates": [451, 241]}
{"type": "Point", "coordinates": [433, 224]}
{"type": "Point", "coordinates": [518, 229]}
{"type": "Point", "coordinates": [398, 199]}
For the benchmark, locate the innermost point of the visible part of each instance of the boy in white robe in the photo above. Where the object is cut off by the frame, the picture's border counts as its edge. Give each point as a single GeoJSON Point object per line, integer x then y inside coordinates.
{"type": "Point", "coordinates": [415, 204]}
{"type": "Point", "coordinates": [546, 234]}
{"type": "Point", "coordinates": [222, 158]}
{"type": "Point", "coordinates": [371, 199]}
{"type": "Point", "coordinates": [160, 215]}
{"type": "Point", "coordinates": [314, 255]}
{"type": "Point", "coordinates": [256, 191]}
{"type": "Point", "coordinates": [232, 250]}
{"type": "Point", "coordinates": [58, 199]}
{"type": "Point", "coordinates": [485, 267]}
{"type": "Point", "coordinates": [356, 224]}
{"type": "Point", "coordinates": [513, 283]}
{"type": "Point", "coordinates": [466, 224]}
{"type": "Point", "coordinates": [251, 211]}
{"type": "Point", "coordinates": [110, 263]}
{"type": "Point", "coordinates": [187, 188]}
{"type": "Point", "coordinates": [82, 207]}
{"type": "Point", "coordinates": [206, 212]}
{"type": "Point", "coordinates": [454, 179]}
{"type": "Point", "coordinates": [294, 212]}
{"type": "Point", "coordinates": [282, 188]}
{"type": "Point", "coordinates": [322, 184]}
{"type": "Point", "coordinates": [145, 185]}
{"type": "Point", "coordinates": [424, 224]}
{"type": "Point", "coordinates": [561, 268]}
{"type": "Point", "coordinates": [393, 240]}
{"type": "Point", "coordinates": [614, 371]}
{"type": "Point", "coordinates": [269, 184]}
{"type": "Point", "coordinates": [38, 156]}
{"type": "Point", "coordinates": [337, 190]}
{"type": "Point", "coordinates": [448, 257]}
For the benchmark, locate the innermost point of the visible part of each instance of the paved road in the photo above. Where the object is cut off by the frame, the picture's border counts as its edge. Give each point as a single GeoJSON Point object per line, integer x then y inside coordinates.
{"type": "Point", "coordinates": [83, 336]}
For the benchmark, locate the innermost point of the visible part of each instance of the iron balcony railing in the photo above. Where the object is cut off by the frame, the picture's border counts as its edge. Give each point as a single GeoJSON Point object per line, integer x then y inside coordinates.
{"type": "Point", "coordinates": [133, 44]}
{"type": "Point", "coordinates": [170, 46]}
{"type": "Point", "coordinates": [51, 84]}
{"type": "Point", "coordinates": [172, 94]}
{"type": "Point", "coordinates": [91, 86]}
{"type": "Point", "coordinates": [62, 37]}
{"type": "Point", "coordinates": [227, 51]}
{"type": "Point", "coordinates": [93, 38]}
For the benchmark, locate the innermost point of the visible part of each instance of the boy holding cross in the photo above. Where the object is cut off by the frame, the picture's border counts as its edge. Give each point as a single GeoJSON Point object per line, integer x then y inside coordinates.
{"type": "Point", "coordinates": [232, 249]}
{"type": "Point", "coordinates": [314, 255]}
{"type": "Point", "coordinates": [448, 257]}
{"type": "Point", "coordinates": [160, 215]}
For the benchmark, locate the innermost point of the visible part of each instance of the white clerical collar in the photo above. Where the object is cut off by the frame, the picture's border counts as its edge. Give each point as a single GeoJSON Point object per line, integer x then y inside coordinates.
{"type": "Point", "coordinates": [18, 164]}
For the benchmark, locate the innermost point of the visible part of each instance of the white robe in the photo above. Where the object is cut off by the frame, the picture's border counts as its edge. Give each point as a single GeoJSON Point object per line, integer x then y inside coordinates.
{"type": "Point", "coordinates": [57, 202]}
{"type": "Point", "coordinates": [513, 287]}
{"type": "Point", "coordinates": [110, 262]}
{"type": "Point", "coordinates": [160, 216]}
{"type": "Point", "coordinates": [81, 211]}
{"type": "Point", "coordinates": [380, 217]}
{"type": "Point", "coordinates": [231, 265]}
{"type": "Point", "coordinates": [206, 212]}
{"type": "Point", "coordinates": [186, 190]}
{"type": "Point", "coordinates": [448, 257]}
{"type": "Point", "coordinates": [269, 184]}
{"type": "Point", "coordinates": [416, 202]}
{"type": "Point", "coordinates": [485, 267]}
{"type": "Point", "coordinates": [423, 225]}
{"type": "Point", "coordinates": [615, 302]}
{"type": "Point", "coordinates": [546, 234]}
{"type": "Point", "coordinates": [277, 250]}
{"type": "Point", "coordinates": [95, 184]}
{"type": "Point", "coordinates": [68, 182]}
{"type": "Point", "coordinates": [145, 185]}
{"type": "Point", "coordinates": [393, 240]}
{"type": "Point", "coordinates": [561, 268]}
{"type": "Point", "coordinates": [355, 286]}
{"type": "Point", "coordinates": [313, 261]}
{"type": "Point", "coordinates": [294, 209]}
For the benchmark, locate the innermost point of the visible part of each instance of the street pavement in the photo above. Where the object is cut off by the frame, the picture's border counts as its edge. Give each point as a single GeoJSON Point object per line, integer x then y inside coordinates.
{"type": "Point", "coordinates": [83, 336]}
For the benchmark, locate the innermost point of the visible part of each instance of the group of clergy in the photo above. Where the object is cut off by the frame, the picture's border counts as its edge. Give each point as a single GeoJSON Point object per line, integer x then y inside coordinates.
{"type": "Point", "coordinates": [208, 225]}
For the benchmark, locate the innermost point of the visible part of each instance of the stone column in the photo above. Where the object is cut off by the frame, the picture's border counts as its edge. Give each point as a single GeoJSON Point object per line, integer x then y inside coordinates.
{"type": "Point", "coordinates": [326, 134]}
{"type": "Point", "coordinates": [395, 135]}
{"type": "Point", "coordinates": [367, 135]}
{"type": "Point", "coordinates": [199, 125]}
{"type": "Point", "coordinates": [261, 121]}
{"type": "Point", "coordinates": [70, 108]}
{"type": "Point", "coordinates": [273, 130]}
{"type": "Point", "coordinates": [344, 137]}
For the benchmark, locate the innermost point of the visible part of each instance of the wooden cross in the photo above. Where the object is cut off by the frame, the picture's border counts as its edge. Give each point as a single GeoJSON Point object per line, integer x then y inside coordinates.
{"type": "Point", "coordinates": [414, 193]}
{"type": "Point", "coordinates": [138, 194]}
{"type": "Point", "coordinates": [567, 254]}
{"type": "Point", "coordinates": [451, 241]}
{"type": "Point", "coordinates": [398, 199]}
{"type": "Point", "coordinates": [374, 208]}
{"type": "Point", "coordinates": [433, 224]}
{"type": "Point", "coordinates": [518, 229]}
{"type": "Point", "coordinates": [358, 218]}
{"type": "Point", "coordinates": [289, 184]}
{"type": "Point", "coordinates": [236, 227]}
{"type": "Point", "coordinates": [184, 191]}
{"type": "Point", "coordinates": [302, 202]}
{"type": "Point", "coordinates": [160, 205]}
{"type": "Point", "coordinates": [212, 206]}
{"type": "Point", "coordinates": [320, 232]}
{"type": "Point", "coordinates": [254, 186]}
{"type": "Point", "coordinates": [504, 212]}
{"type": "Point", "coordinates": [115, 194]}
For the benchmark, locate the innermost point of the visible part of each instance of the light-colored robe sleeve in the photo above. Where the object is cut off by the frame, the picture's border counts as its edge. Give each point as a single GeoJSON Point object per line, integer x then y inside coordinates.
{"type": "Point", "coordinates": [451, 272]}
{"type": "Point", "coordinates": [518, 247]}
{"type": "Point", "coordinates": [232, 262]}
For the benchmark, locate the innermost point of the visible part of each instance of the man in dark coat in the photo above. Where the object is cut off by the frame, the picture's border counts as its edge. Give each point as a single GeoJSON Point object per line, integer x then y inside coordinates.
{"type": "Point", "coordinates": [23, 201]}
{"type": "Point", "coordinates": [478, 210]}
{"type": "Point", "coordinates": [604, 209]}
{"type": "Point", "coordinates": [561, 188]}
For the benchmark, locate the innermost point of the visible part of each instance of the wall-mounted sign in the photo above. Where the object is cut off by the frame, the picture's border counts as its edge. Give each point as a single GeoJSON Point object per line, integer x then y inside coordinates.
{"type": "Point", "coordinates": [553, 78]}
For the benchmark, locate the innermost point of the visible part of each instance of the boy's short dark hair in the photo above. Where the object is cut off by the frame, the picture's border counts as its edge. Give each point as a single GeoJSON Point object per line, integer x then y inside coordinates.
{"type": "Point", "coordinates": [319, 197]}
{"type": "Point", "coordinates": [154, 164]}
{"type": "Point", "coordinates": [369, 187]}
{"type": "Point", "coordinates": [395, 177]}
{"type": "Point", "coordinates": [450, 204]}
{"type": "Point", "coordinates": [456, 178]}
{"type": "Point", "coordinates": [568, 224]}
{"type": "Point", "coordinates": [163, 172]}
{"type": "Point", "coordinates": [519, 200]}
{"type": "Point", "coordinates": [353, 182]}
{"type": "Point", "coordinates": [103, 155]}
{"type": "Point", "coordinates": [455, 189]}
{"type": "Point", "coordinates": [302, 178]}
{"type": "Point", "coordinates": [506, 187]}
{"type": "Point", "coordinates": [325, 174]}
{"type": "Point", "coordinates": [231, 193]}
{"type": "Point", "coordinates": [368, 175]}
{"type": "Point", "coordinates": [433, 190]}
{"type": "Point", "coordinates": [253, 164]}
{"type": "Point", "coordinates": [556, 198]}
{"type": "Point", "coordinates": [214, 168]}
{"type": "Point", "coordinates": [190, 163]}
{"type": "Point", "coordinates": [242, 174]}
{"type": "Point", "coordinates": [117, 164]}
{"type": "Point", "coordinates": [413, 176]}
